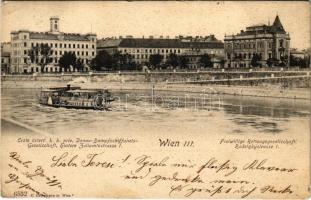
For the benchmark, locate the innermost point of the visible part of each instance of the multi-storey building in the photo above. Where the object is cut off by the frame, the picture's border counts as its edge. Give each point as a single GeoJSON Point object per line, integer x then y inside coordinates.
{"type": "Point", "coordinates": [5, 57]}
{"type": "Point", "coordinates": [141, 48]}
{"type": "Point", "coordinates": [268, 42]}
{"type": "Point", "coordinates": [83, 45]}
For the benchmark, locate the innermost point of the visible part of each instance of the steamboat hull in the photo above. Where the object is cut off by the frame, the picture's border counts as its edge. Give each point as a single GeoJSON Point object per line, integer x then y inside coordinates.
{"type": "Point", "coordinates": [76, 107]}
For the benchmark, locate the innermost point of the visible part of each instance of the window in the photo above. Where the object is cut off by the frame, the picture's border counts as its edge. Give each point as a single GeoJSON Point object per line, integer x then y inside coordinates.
{"type": "Point", "coordinates": [82, 53]}
{"type": "Point", "coordinates": [51, 44]}
{"type": "Point", "coordinates": [93, 46]}
{"type": "Point", "coordinates": [86, 53]}
{"type": "Point", "coordinates": [150, 50]}
{"type": "Point", "coordinates": [137, 50]}
{"type": "Point", "coordinates": [93, 53]}
{"type": "Point", "coordinates": [69, 45]}
{"type": "Point", "coordinates": [32, 45]}
{"type": "Point", "coordinates": [25, 37]}
{"type": "Point", "coordinates": [166, 50]}
{"type": "Point", "coordinates": [82, 46]}
{"type": "Point", "coordinates": [25, 44]}
{"type": "Point", "coordinates": [178, 50]}
{"type": "Point", "coordinates": [281, 43]}
{"type": "Point", "coordinates": [74, 46]}
{"type": "Point", "coordinates": [78, 46]}
{"type": "Point", "coordinates": [56, 45]}
{"type": "Point", "coordinates": [65, 45]}
{"type": "Point", "coordinates": [60, 53]}
{"type": "Point", "coordinates": [25, 60]}
{"type": "Point", "coordinates": [55, 52]}
{"type": "Point", "coordinates": [25, 52]}
{"type": "Point", "coordinates": [78, 53]}
{"type": "Point", "coordinates": [86, 46]}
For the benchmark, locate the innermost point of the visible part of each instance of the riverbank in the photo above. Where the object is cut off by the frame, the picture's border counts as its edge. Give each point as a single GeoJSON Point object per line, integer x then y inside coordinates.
{"type": "Point", "coordinates": [267, 90]}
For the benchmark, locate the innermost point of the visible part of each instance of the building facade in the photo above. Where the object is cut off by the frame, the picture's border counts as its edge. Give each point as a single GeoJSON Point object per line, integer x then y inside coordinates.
{"type": "Point", "coordinates": [141, 48]}
{"type": "Point", "coordinates": [270, 43]}
{"type": "Point", "coordinates": [22, 41]}
{"type": "Point", "coordinates": [5, 57]}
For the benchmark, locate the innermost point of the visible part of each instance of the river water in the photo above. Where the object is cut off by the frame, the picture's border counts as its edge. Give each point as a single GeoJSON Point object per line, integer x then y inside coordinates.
{"type": "Point", "coordinates": [159, 111]}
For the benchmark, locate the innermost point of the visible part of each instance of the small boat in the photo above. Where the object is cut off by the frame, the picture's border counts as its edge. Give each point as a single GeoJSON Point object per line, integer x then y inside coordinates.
{"type": "Point", "coordinates": [75, 97]}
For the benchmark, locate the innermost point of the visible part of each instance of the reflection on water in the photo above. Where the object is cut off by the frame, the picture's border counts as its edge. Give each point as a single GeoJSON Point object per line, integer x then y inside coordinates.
{"type": "Point", "coordinates": [162, 109]}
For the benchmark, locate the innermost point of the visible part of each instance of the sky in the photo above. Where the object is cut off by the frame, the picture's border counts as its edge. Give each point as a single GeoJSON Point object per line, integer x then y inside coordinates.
{"type": "Point", "coordinates": [138, 19]}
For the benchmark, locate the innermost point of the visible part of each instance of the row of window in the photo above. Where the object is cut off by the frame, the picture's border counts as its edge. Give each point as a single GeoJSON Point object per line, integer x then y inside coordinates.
{"type": "Point", "coordinates": [164, 51]}
{"type": "Point", "coordinates": [150, 51]}
{"type": "Point", "coordinates": [242, 55]}
{"type": "Point", "coordinates": [86, 53]}
{"type": "Point", "coordinates": [41, 60]}
{"type": "Point", "coordinates": [63, 45]}
{"type": "Point", "coordinates": [253, 45]}
{"type": "Point", "coordinates": [58, 45]}
{"type": "Point", "coordinates": [5, 60]}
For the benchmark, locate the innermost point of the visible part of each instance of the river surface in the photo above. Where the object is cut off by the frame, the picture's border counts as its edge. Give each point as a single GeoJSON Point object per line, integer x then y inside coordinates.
{"type": "Point", "coordinates": [160, 111]}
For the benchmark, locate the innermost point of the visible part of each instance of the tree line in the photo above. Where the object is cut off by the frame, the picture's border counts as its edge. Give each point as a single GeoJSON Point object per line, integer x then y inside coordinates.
{"type": "Point", "coordinates": [104, 61]}
{"type": "Point", "coordinates": [118, 61]}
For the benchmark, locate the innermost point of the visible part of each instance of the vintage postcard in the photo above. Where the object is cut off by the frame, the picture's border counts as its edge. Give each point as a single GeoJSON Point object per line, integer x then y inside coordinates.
{"type": "Point", "coordinates": [150, 99]}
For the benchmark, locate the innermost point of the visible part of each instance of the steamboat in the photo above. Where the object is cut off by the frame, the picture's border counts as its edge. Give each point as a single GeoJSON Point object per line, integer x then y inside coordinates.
{"type": "Point", "coordinates": [76, 98]}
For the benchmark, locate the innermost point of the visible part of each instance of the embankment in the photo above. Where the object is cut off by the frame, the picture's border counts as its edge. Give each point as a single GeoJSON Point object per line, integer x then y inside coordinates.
{"type": "Point", "coordinates": [298, 88]}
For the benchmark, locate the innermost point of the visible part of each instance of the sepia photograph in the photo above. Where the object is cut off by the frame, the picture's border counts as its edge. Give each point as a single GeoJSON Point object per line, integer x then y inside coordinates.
{"type": "Point", "coordinates": [155, 99]}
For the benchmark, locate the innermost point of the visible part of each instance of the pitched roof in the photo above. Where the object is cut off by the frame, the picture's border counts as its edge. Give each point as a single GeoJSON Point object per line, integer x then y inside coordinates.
{"type": "Point", "coordinates": [151, 43]}
{"type": "Point", "coordinates": [108, 43]}
{"type": "Point", "coordinates": [166, 43]}
{"type": "Point", "coordinates": [277, 26]}
{"type": "Point", "coordinates": [42, 36]}
{"type": "Point", "coordinates": [61, 36]}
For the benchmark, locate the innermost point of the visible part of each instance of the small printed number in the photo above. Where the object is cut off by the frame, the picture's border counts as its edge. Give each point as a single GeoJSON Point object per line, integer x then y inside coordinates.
{"type": "Point", "coordinates": [20, 194]}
